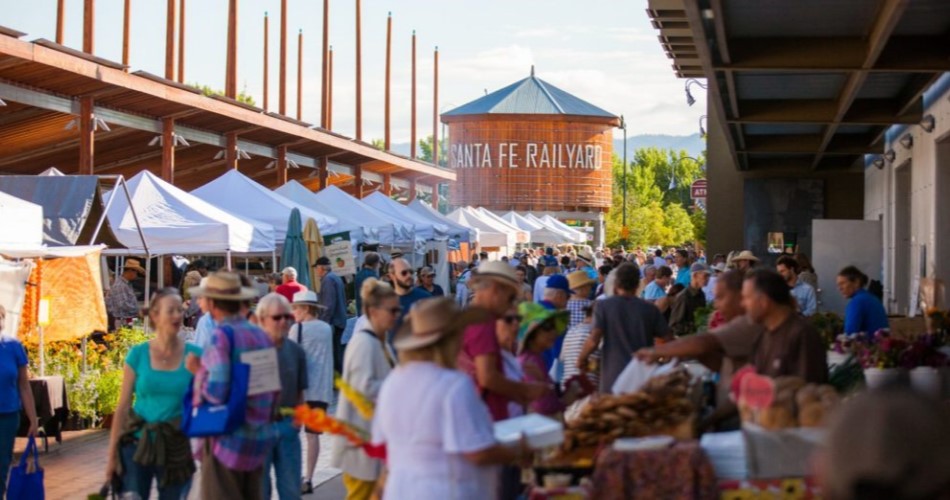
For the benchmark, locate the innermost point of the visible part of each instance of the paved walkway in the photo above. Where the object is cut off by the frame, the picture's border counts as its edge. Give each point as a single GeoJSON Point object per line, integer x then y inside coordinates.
{"type": "Point", "coordinates": [76, 468]}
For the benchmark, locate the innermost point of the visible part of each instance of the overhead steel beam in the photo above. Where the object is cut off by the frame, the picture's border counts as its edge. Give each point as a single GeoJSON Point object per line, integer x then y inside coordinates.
{"type": "Point", "coordinates": [887, 19]}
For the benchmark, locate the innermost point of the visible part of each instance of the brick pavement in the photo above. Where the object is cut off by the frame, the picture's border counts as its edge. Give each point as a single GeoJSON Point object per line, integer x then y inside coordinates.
{"type": "Point", "coordinates": [76, 468]}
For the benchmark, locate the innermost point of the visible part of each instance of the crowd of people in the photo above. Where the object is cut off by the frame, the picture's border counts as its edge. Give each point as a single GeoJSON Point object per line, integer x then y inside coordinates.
{"type": "Point", "coordinates": [512, 335]}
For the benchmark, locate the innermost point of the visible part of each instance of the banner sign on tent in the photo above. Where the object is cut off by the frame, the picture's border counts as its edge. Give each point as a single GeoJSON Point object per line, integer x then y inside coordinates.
{"type": "Point", "coordinates": [339, 249]}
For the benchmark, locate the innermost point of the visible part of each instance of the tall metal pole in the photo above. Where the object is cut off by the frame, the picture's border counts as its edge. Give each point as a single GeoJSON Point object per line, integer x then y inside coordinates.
{"type": "Point", "coordinates": [181, 42]}
{"type": "Point", "coordinates": [412, 140]}
{"type": "Point", "coordinates": [170, 41]}
{"type": "Point", "coordinates": [326, 62]}
{"type": "Point", "coordinates": [126, 22]}
{"type": "Point", "coordinates": [623, 125]}
{"type": "Point", "coordinates": [61, 19]}
{"type": "Point", "coordinates": [435, 109]}
{"type": "Point", "coordinates": [359, 70]}
{"type": "Point", "coordinates": [300, 75]}
{"type": "Point", "coordinates": [266, 64]}
{"type": "Point", "coordinates": [282, 91]}
{"type": "Point", "coordinates": [389, 46]}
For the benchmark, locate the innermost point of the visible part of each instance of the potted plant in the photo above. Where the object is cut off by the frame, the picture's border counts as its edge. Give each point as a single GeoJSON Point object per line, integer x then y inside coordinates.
{"type": "Point", "coordinates": [924, 360]}
{"type": "Point", "coordinates": [109, 387]}
{"type": "Point", "coordinates": [879, 356]}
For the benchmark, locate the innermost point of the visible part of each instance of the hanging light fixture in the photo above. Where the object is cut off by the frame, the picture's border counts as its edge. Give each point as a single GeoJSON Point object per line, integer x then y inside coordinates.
{"type": "Point", "coordinates": [878, 163]}
{"type": "Point", "coordinates": [702, 130]}
{"type": "Point", "coordinates": [690, 100]}
{"type": "Point", "coordinates": [928, 123]}
{"type": "Point", "coordinates": [907, 141]}
{"type": "Point", "coordinates": [890, 155]}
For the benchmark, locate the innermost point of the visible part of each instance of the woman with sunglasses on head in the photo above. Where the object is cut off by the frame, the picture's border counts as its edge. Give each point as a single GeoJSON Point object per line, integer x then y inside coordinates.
{"type": "Point", "coordinates": [366, 363]}
{"type": "Point", "coordinates": [316, 338]}
{"type": "Point", "coordinates": [156, 379]}
{"type": "Point", "coordinates": [273, 314]}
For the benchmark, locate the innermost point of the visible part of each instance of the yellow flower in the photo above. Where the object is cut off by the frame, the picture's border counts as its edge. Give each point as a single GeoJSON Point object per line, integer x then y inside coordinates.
{"type": "Point", "coordinates": [363, 405]}
{"type": "Point", "coordinates": [793, 489]}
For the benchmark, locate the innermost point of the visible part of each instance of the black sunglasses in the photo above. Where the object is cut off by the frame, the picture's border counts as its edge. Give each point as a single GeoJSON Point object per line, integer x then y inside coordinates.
{"type": "Point", "coordinates": [278, 317]}
{"type": "Point", "coordinates": [511, 318]}
{"type": "Point", "coordinates": [406, 273]}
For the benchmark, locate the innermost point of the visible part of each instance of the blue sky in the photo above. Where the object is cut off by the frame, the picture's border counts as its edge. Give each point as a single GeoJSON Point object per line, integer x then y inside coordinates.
{"type": "Point", "coordinates": [603, 51]}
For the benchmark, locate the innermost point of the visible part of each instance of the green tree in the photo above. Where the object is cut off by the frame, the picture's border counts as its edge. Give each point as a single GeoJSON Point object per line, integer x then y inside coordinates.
{"type": "Point", "coordinates": [699, 227]}
{"type": "Point", "coordinates": [242, 96]}
{"type": "Point", "coordinates": [425, 149]}
{"type": "Point", "coordinates": [658, 211]}
{"type": "Point", "coordinates": [378, 144]}
{"type": "Point", "coordinates": [678, 222]}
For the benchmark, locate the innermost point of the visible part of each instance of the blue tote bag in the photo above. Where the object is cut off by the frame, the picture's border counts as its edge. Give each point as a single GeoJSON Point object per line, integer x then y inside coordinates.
{"type": "Point", "coordinates": [25, 485]}
{"type": "Point", "coordinates": [209, 419]}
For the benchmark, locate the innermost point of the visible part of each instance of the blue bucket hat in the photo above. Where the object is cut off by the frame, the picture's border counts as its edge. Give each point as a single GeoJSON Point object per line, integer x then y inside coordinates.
{"type": "Point", "coordinates": [559, 282]}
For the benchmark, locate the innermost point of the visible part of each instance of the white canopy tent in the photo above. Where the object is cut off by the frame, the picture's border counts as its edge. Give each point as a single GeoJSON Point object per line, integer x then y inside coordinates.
{"type": "Point", "coordinates": [392, 231]}
{"type": "Point", "coordinates": [455, 230]}
{"type": "Point", "coordinates": [488, 234]}
{"type": "Point", "coordinates": [175, 222]}
{"type": "Point", "coordinates": [548, 221]}
{"type": "Point", "coordinates": [22, 223]}
{"type": "Point", "coordinates": [240, 195]}
{"type": "Point", "coordinates": [517, 235]}
{"type": "Point", "coordinates": [521, 236]}
{"type": "Point", "coordinates": [359, 230]}
{"type": "Point", "coordinates": [539, 233]}
{"type": "Point", "coordinates": [424, 227]}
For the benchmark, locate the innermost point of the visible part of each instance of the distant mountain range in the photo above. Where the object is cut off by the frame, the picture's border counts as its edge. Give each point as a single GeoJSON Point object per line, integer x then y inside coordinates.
{"type": "Point", "coordinates": [694, 144]}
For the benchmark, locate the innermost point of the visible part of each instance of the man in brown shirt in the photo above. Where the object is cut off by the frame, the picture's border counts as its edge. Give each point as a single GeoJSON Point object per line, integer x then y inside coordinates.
{"type": "Point", "coordinates": [789, 344]}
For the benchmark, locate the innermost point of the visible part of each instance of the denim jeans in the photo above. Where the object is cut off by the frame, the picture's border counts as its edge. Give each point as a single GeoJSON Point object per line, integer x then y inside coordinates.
{"type": "Point", "coordinates": [9, 424]}
{"type": "Point", "coordinates": [286, 458]}
{"type": "Point", "coordinates": [138, 478]}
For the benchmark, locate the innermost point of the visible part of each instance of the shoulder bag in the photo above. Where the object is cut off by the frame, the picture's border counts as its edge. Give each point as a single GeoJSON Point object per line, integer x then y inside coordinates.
{"type": "Point", "coordinates": [207, 419]}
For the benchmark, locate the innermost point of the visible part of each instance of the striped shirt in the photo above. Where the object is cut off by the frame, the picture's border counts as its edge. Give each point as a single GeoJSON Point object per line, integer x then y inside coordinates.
{"type": "Point", "coordinates": [246, 448]}
{"type": "Point", "coordinates": [571, 350]}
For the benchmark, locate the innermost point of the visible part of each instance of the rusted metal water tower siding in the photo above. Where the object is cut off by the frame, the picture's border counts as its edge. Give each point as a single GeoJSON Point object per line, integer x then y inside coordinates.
{"type": "Point", "coordinates": [557, 163]}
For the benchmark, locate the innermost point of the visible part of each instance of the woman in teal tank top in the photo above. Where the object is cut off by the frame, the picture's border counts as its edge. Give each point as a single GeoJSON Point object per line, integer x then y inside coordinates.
{"type": "Point", "coordinates": [146, 444]}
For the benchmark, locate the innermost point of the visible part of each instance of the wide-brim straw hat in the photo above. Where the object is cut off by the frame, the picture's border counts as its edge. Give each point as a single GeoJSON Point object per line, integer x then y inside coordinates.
{"type": "Point", "coordinates": [223, 286]}
{"type": "Point", "coordinates": [134, 265]}
{"type": "Point", "coordinates": [499, 272]}
{"type": "Point", "coordinates": [431, 320]}
{"type": "Point", "coordinates": [585, 255]}
{"type": "Point", "coordinates": [579, 279]}
{"type": "Point", "coordinates": [534, 315]}
{"type": "Point", "coordinates": [306, 298]}
{"type": "Point", "coordinates": [745, 255]}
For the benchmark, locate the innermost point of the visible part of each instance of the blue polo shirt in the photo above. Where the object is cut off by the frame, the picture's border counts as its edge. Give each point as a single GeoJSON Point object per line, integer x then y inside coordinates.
{"type": "Point", "coordinates": [683, 277]}
{"type": "Point", "coordinates": [864, 314]}
{"type": "Point", "coordinates": [12, 357]}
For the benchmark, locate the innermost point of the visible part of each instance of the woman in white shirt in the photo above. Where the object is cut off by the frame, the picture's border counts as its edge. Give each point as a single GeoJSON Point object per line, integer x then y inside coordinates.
{"type": "Point", "coordinates": [437, 431]}
{"type": "Point", "coordinates": [316, 338]}
{"type": "Point", "coordinates": [367, 362]}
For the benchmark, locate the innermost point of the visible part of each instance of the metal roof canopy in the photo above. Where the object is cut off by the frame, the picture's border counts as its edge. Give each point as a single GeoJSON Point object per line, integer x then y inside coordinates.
{"type": "Point", "coordinates": [810, 84]}
{"type": "Point", "coordinates": [42, 82]}
{"type": "Point", "coordinates": [530, 96]}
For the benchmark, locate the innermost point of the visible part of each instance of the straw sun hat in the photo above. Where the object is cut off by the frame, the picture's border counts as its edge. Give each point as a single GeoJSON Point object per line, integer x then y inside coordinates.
{"type": "Point", "coordinates": [223, 286]}
{"type": "Point", "coordinates": [745, 255]}
{"type": "Point", "coordinates": [133, 264]}
{"type": "Point", "coordinates": [579, 279]}
{"type": "Point", "coordinates": [431, 320]}
{"type": "Point", "coordinates": [498, 272]}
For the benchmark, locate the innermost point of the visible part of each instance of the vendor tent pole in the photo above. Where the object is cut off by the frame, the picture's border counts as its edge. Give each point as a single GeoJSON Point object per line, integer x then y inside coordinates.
{"type": "Point", "coordinates": [148, 285]}
{"type": "Point", "coordinates": [246, 266]}
{"type": "Point", "coordinates": [273, 260]}
{"type": "Point", "coordinates": [161, 271]}
{"type": "Point", "coordinates": [42, 354]}
{"type": "Point", "coordinates": [229, 260]}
